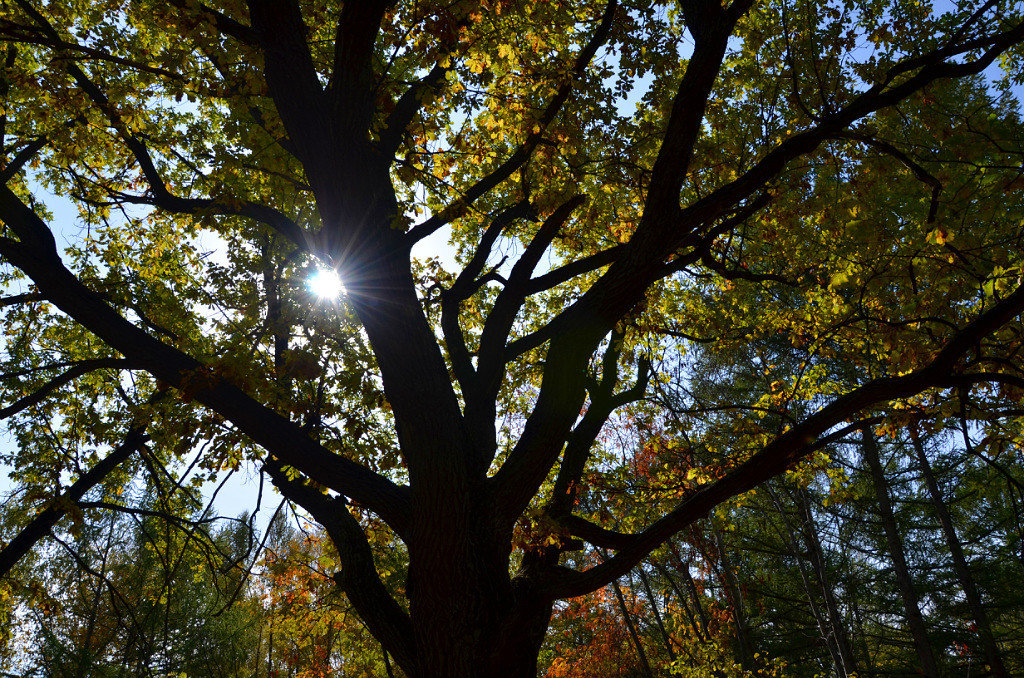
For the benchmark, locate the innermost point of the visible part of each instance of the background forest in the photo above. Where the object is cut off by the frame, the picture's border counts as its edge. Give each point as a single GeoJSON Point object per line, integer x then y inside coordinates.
{"type": "Point", "coordinates": [888, 552]}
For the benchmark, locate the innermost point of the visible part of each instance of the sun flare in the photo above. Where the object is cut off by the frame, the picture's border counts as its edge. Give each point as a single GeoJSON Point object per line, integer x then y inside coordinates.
{"type": "Point", "coordinates": [326, 284]}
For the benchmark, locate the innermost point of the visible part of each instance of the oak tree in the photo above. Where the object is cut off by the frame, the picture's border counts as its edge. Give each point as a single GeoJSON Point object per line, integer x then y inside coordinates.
{"type": "Point", "coordinates": [630, 193]}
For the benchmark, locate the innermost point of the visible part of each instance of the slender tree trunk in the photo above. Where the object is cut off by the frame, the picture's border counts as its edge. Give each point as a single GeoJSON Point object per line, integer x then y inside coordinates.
{"type": "Point", "coordinates": [744, 651]}
{"type": "Point", "coordinates": [657, 614]}
{"type": "Point", "coordinates": [698, 632]}
{"type": "Point", "coordinates": [859, 621]}
{"type": "Point", "coordinates": [270, 654]}
{"type": "Point", "coordinates": [810, 532]}
{"type": "Point", "coordinates": [789, 536]}
{"type": "Point", "coordinates": [257, 656]}
{"type": "Point", "coordinates": [702, 615]}
{"type": "Point", "coordinates": [631, 627]}
{"type": "Point", "coordinates": [899, 559]}
{"type": "Point", "coordinates": [691, 585]}
{"type": "Point", "coordinates": [963, 573]}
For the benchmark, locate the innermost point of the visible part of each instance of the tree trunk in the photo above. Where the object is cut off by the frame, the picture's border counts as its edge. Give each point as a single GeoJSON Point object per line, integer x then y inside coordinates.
{"type": "Point", "coordinates": [827, 636]}
{"type": "Point", "coordinates": [468, 617]}
{"type": "Point", "coordinates": [657, 614]}
{"type": "Point", "coordinates": [631, 627]}
{"type": "Point", "coordinates": [836, 621]}
{"type": "Point", "coordinates": [698, 630]}
{"type": "Point", "coordinates": [899, 559]}
{"type": "Point", "coordinates": [697, 604]}
{"type": "Point", "coordinates": [862, 633]}
{"type": "Point", "coordinates": [744, 652]}
{"type": "Point", "coordinates": [963, 573]}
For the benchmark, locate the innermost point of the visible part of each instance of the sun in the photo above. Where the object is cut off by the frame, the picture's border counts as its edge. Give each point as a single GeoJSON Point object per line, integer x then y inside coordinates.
{"type": "Point", "coordinates": [326, 284]}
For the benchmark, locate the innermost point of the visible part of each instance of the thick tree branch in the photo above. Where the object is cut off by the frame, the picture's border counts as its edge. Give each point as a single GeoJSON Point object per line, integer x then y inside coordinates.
{"type": "Point", "coordinates": [491, 360]}
{"type": "Point", "coordinates": [36, 255]}
{"type": "Point", "coordinates": [15, 299]}
{"type": "Point", "coordinates": [26, 153]}
{"type": "Point", "coordinates": [662, 230]}
{"type": "Point", "coordinates": [711, 28]}
{"type": "Point", "coordinates": [481, 408]}
{"type": "Point", "coordinates": [352, 84]}
{"type": "Point", "coordinates": [78, 369]}
{"type": "Point", "coordinates": [294, 86]}
{"type": "Point", "coordinates": [358, 576]}
{"type": "Point", "coordinates": [789, 448]}
{"type": "Point", "coordinates": [45, 521]}
{"type": "Point", "coordinates": [625, 282]}
{"type": "Point", "coordinates": [603, 401]}
{"type": "Point", "coordinates": [568, 271]}
{"type": "Point", "coordinates": [465, 286]}
{"type": "Point", "coordinates": [594, 534]}
{"type": "Point", "coordinates": [275, 219]}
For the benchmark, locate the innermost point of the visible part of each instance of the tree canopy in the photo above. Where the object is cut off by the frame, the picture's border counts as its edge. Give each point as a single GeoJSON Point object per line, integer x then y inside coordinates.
{"type": "Point", "coordinates": [681, 250]}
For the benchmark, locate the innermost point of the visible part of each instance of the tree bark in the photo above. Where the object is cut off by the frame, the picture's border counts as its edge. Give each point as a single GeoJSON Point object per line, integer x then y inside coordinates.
{"type": "Point", "coordinates": [468, 616]}
{"type": "Point", "coordinates": [899, 559]}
